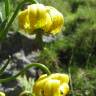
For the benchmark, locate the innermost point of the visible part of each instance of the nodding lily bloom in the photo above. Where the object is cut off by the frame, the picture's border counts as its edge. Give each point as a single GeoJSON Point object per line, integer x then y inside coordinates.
{"type": "Point", "coordinates": [53, 85]}
{"type": "Point", "coordinates": [38, 16]}
{"type": "Point", "coordinates": [2, 94]}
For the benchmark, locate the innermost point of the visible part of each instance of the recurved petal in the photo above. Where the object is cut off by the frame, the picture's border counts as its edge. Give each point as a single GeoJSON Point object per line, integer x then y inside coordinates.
{"type": "Point", "coordinates": [64, 78]}
{"type": "Point", "coordinates": [23, 19]}
{"type": "Point", "coordinates": [39, 85]}
{"type": "Point", "coordinates": [2, 94]}
{"type": "Point", "coordinates": [64, 89]}
{"type": "Point", "coordinates": [57, 19]}
{"type": "Point", "coordinates": [32, 13]}
{"type": "Point", "coordinates": [48, 23]}
{"type": "Point", "coordinates": [32, 10]}
{"type": "Point", "coordinates": [42, 77]}
{"type": "Point", "coordinates": [37, 16]}
{"type": "Point", "coordinates": [41, 10]}
{"type": "Point", "coordinates": [51, 88]}
{"type": "Point", "coordinates": [55, 31]}
{"type": "Point", "coordinates": [42, 17]}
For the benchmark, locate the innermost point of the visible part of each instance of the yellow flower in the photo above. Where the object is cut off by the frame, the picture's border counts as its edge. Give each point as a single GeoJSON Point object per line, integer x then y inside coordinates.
{"type": "Point", "coordinates": [2, 94]}
{"type": "Point", "coordinates": [53, 85]}
{"type": "Point", "coordinates": [38, 16]}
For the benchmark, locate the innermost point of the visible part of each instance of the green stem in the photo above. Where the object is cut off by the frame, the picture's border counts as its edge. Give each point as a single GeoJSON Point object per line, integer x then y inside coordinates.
{"type": "Point", "coordinates": [39, 39]}
{"type": "Point", "coordinates": [69, 71]}
{"type": "Point", "coordinates": [26, 93]}
{"type": "Point", "coordinates": [14, 16]}
{"type": "Point", "coordinates": [4, 67]}
{"type": "Point", "coordinates": [41, 66]}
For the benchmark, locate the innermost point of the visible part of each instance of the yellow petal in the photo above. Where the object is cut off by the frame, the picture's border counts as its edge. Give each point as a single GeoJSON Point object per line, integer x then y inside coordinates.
{"type": "Point", "coordinates": [36, 14]}
{"type": "Point", "coordinates": [2, 94]}
{"type": "Point", "coordinates": [48, 23]}
{"type": "Point", "coordinates": [64, 88]}
{"type": "Point", "coordinates": [42, 77]}
{"type": "Point", "coordinates": [22, 19]}
{"type": "Point", "coordinates": [64, 78]}
{"type": "Point", "coordinates": [32, 12]}
{"type": "Point", "coordinates": [57, 20]}
{"type": "Point", "coordinates": [51, 88]}
{"type": "Point", "coordinates": [38, 86]}
{"type": "Point", "coordinates": [56, 30]}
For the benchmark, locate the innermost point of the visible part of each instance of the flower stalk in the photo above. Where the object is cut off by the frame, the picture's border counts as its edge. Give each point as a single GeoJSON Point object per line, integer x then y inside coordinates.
{"type": "Point", "coordinates": [39, 39]}
{"type": "Point", "coordinates": [39, 65]}
{"type": "Point", "coordinates": [5, 66]}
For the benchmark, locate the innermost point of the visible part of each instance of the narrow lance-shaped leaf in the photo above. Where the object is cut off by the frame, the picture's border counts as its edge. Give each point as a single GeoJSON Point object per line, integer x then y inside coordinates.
{"type": "Point", "coordinates": [7, 8]}
{"type": "Point", "coordinates": [2, 26]}
{"type": "Point", "coordinates": [0, 17]}
{"type": "Point", "coordinates": [2, 69]}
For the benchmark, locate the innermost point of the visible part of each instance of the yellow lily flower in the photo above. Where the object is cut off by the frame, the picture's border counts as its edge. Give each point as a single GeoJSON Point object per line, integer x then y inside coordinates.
{"type": "Point", "coordinates": [53, 85]}
{"type": "Point", "coordinates": [2, 94]}
{"type": "Point", "coordinates": [38, 16]}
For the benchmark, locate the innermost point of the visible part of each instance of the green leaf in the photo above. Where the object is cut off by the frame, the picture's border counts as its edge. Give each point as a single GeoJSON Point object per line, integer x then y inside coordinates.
{"type": "Point", "coordinates": [0, 17]}
{"type": "Point", "coordinates": [2, 69]}
{"type": "Point", "coordinates": [7, 8]}
{"type": "Point", "coordinates": [2, 27]}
